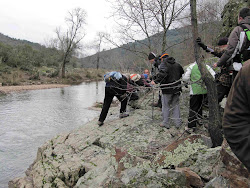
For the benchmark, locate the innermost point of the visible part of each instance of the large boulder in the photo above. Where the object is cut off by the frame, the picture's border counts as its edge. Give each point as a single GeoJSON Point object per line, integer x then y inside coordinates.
{"type": "Point", "coordinates": [235, 171]}
{"type": "Point", "coordinates": [132, 152]}
{"type": "Point", "coordinates": [179, 151]}
{"type": "Point", "coordinates": [230, 15]}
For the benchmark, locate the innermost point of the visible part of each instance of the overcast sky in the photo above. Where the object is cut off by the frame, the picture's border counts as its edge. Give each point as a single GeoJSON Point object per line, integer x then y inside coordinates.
{"type": "Point", "coordinates": [36, 20]}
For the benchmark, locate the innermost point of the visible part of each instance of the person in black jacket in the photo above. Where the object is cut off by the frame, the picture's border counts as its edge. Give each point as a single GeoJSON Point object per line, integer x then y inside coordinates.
{"type": "Point", "coordinates": [156, 61]}
{"type": "Point", "coordinates": [225, 77]}
{"type": "Point", "coordinates": [116, 86]}
{"type": "Point", "coordinates": [169, 77]}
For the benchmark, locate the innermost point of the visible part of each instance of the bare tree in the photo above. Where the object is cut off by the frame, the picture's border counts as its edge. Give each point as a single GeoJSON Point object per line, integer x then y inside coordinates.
{"type": "Point", "coordinates": [69, 41]}
{"type": "Point", "coordinates": [98, 42]}
{"type": "Point", "coordinates": [141, 19]}
{"type": "Point", "coordinates": [214, 115]}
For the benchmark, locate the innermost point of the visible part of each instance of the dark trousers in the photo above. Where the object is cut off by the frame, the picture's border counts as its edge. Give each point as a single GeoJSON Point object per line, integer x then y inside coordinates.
{"type": "Point", "coordinates": [159, 104]}
{"type": "Point", "coordinates": [222, 91]}
{"type": "Point", "coordinates": [109, 95]}
{"type": "Point", "coordinates": [195, 110]}
{"type": "Point", "coordinates": [133, 96]}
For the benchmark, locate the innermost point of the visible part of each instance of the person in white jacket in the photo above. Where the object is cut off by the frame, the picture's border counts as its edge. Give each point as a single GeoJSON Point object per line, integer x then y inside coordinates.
{"type": "Point", "coordinates": [198, 93]}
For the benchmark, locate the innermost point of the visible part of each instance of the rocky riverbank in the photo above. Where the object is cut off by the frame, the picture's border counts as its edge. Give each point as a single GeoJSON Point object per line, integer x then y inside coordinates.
{"type": "Point", "coordinates": [134, 152]}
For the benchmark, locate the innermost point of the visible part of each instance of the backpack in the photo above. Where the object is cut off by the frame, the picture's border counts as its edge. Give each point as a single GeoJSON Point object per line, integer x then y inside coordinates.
{"type": "Point", "coordinates": [245, 50]}
{"type": "Point", "coordinates": [241, 53]}
{"type": "Point", "coordinates": [111, 76]}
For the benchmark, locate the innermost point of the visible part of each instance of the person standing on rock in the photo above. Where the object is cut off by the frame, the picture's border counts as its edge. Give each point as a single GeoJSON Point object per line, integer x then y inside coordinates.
{"type": "Point", "coordinates": [155, 62]}
{"type": "Point", "coordinates": [170, 73]}
{"type": "Point", "coordinates": [198, 93]}
{"type": "Point", "coordinates": [225, 77]}
{"type": "Point", "coordinates": [116, 85]}
{"type": "Point", "coordinates": [236, 118]}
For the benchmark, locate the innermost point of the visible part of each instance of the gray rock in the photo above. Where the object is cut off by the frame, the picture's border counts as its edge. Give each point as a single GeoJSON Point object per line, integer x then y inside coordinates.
{"type": "Point", "coordinates": [217, 182]}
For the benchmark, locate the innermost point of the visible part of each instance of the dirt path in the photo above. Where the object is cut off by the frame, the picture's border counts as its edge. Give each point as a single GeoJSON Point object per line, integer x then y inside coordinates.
{"type": "Point", "coordinates": [9, 89]}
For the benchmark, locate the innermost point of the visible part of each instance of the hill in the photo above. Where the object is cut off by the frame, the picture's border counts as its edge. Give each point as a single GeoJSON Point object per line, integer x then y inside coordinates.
{"type": "Point", "coordinates": [179, 45]}
{"type": "Point", "coordinates": [15, 42]}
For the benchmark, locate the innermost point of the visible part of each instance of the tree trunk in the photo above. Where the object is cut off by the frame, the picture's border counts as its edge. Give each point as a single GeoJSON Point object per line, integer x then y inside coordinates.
{"type": "Point", "coordinates": [98, 60]}
{"type": "Point", "coordinates": [63, 69]}
{"type": "Point", "coordinates": [214, 114]}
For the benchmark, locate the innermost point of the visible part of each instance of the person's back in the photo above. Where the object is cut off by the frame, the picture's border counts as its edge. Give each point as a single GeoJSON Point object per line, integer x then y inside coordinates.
{"type": "Point", "coordinates": [169, 79]}
{"type": "Point", "coordinates": [193, 75]}
{"type": "Point", "coordinates": [236, 45]}
{"type": "Point", "coordinates": [116, 85]}
{"type": "Point", "coordinates": [236, 118]}
{"type": "Point", "coordinates": [170, 72]}
{"type": "Point", "coordinates": [198, 93]}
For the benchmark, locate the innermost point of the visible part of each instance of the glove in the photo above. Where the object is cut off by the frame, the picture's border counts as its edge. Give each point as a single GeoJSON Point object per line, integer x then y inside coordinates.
{"type": "Point", "coordinates": [198, 40]}
{"type": "Point", "coordinates": [202, 45]}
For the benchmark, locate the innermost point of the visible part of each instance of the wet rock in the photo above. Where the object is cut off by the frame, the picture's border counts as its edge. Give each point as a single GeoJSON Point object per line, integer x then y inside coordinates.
{"type": "Point", "coordinates": [20, 182]}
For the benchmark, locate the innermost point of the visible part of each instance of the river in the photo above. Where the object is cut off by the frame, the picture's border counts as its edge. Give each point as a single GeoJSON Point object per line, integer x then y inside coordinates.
{"type": "Point", "coordinates": [30, 118]}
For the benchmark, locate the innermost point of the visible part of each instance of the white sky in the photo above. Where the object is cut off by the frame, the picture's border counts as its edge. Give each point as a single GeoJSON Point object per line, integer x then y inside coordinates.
{"type": "Point", "coordinates": [36, 20]}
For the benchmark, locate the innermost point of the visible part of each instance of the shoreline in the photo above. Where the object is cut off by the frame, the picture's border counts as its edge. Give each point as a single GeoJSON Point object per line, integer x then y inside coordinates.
{"type": "Point", "coordinates": [10, 89]}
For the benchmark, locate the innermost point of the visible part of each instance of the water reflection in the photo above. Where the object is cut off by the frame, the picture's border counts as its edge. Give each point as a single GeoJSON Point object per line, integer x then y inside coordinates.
{"type": "Point", "coordinates": [29, 118]}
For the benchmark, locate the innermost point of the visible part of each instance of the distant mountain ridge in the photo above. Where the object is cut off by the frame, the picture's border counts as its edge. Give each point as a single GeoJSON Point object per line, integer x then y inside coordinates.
{"type": "Point", "coordinates": [179, 46]}
{"type": "Point", "coordinates": [15, 42]}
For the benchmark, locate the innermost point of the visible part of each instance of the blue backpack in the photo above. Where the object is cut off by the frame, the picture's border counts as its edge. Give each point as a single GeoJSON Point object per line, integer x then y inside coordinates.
{"type": "Point", "coordinates": [111, 76]}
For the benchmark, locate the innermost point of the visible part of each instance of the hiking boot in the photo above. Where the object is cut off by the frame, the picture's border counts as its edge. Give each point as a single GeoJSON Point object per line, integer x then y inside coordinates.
{"type": "Point", "coordinates": [155, 104]}
{"type": "Point", "coordinates": [164, 126]}
{"type": "Point", "coordinates": [190, 130]}
{"type": "Point", "coordinates": [100, 123]}
{"type": "Point", "coordinates": [123, 115]}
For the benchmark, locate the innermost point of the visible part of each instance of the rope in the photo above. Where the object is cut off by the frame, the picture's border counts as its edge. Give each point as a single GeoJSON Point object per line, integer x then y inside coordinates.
{"type": "Point", "coordinates": [152, 89]}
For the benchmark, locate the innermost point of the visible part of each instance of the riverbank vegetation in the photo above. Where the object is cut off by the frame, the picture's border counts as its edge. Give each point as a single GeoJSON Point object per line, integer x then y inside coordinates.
{"type": "Point", "coordinates": [24, 65]}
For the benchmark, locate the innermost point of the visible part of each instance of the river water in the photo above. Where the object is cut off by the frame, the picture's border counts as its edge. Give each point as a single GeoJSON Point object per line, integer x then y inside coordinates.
{"type": "Point", "coordinates": [30, 118]}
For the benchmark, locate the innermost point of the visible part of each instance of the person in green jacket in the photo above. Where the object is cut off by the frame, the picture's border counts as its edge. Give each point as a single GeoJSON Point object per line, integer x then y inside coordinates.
{"type": "Point", "coordinates": [198, 93]}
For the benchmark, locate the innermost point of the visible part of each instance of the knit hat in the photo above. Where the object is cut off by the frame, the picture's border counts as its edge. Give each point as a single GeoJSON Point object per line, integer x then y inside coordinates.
{"type": "Point", "coordinates": [151, 55]}
{"type": "Point", "coordinates": [223, 41]}
{"type": "Point", "coordinates": [135, 77]}
{"type": "Point", "coordinates": [165, 55]}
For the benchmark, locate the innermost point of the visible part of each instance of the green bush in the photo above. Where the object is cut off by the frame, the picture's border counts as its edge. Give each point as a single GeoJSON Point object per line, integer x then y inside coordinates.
{"type": "Point", "coordinates": [55, 73]}
{"type": "Point", "coordinates": [35, 76]}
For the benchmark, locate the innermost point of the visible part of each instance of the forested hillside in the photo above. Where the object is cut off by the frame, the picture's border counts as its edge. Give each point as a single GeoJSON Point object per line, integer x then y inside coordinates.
{"type": "Point", "coordinates": [16, 42]}
{"type": "Point", "coordinates": [24, 62]}
{"type": "Point", "coordinates": [179, 45]}
{"type": "Point", "coordinates": [21, 60]}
